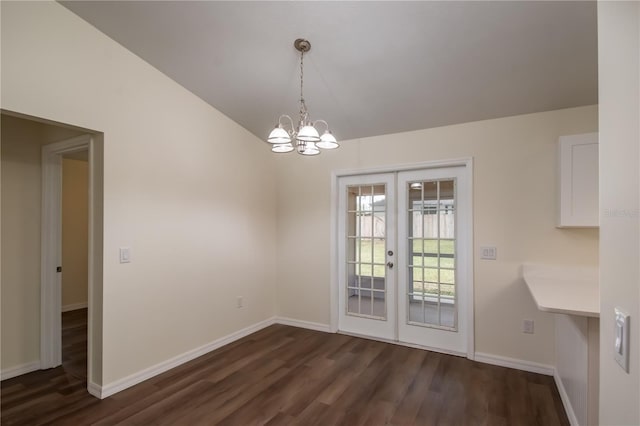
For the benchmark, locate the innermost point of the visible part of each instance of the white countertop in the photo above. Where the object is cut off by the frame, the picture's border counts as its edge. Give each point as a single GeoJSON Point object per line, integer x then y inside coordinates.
{"type": "Point", "coordinates": [564, 290]}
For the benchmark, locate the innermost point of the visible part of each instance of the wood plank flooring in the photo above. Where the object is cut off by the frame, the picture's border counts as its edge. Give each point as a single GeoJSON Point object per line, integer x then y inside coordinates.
{"type": "Point", "coordinates": [290, 376]}
{"type": "Point", "coordinates": [74, 343]}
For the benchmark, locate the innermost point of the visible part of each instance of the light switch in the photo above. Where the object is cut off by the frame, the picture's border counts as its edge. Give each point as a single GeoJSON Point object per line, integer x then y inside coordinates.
{"type": "Point", "coordinates": [125, 255]}
{"type": "Point", "coordinates": [621, 336]}
{"type": "Point", "coordinates": [488, 253]}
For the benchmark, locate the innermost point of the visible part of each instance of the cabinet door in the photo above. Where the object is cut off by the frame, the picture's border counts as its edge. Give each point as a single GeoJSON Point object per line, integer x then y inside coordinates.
{"type": "Point", "coordinates": [578, 186]}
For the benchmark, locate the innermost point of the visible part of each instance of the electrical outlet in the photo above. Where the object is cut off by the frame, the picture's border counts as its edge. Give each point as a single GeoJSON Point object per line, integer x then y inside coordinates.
{"type": "Point", "coordinates": [125, 255]}
{"type": "Point", "coordinates": [527, 326]}
{"type": "Point", "coordinates": [488, 253]}
{"type": "Point", "coordinates": [239, 302]}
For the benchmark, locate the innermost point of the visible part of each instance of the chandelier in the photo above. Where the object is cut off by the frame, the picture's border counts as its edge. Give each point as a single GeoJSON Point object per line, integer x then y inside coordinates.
{"type": "Point", "coordinates": [306, 136]}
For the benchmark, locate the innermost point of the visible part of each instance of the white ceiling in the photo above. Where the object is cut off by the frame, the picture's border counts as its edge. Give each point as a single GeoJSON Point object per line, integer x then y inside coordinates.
{"type": "Point", "coordinates": [374, 67]}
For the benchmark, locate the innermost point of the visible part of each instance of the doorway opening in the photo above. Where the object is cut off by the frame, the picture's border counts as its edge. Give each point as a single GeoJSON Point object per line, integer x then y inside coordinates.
{"type": "Point", "coordinates": [36, 301]}
{"type": "Point", "coordinates": [75, 262]}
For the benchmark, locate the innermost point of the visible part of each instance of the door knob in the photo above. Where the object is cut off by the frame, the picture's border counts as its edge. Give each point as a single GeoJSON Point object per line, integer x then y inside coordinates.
{"type": "Point", "coordinates": [390, 265]}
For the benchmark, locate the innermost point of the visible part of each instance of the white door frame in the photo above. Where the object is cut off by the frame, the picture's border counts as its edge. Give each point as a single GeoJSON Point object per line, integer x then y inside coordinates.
{"type": "Point", "coordinates": [51, 251]}
{"type": "Point", "coordinates": [466, 162]}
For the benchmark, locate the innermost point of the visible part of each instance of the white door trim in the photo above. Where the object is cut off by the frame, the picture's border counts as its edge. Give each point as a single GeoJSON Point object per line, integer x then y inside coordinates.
{"type": "Point", "coordinates": [51, 251]}
{"type": "Point", "coordinates": [467, 162]}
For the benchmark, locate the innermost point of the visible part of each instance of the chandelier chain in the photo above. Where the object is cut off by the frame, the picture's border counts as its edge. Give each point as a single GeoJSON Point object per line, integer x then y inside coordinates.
{"type": "Point", "coordinates": [303, 105]}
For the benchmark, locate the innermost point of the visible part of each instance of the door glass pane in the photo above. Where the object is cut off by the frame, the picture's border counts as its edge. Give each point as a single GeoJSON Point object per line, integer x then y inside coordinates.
{"type": "Point", "coordinates": [379, 198]}
{"type": "Point", "coordinates": [431, 292]}
{"type": "Point", "coordinates": [447, 276]}
{"type": "Point", "coordinates": [379, 304]}
{"type": "Point", "coordinates": [352, 277]}
{"type": "Point", "coordinates": [447, 253]}
{"type": "Point", "coordinates": [415, 303]}
{"type": "Point", "coordinates": [446, 213]}
{"type": "Point", "coordinates": [366, 250]}
{"type": "Point", "coordinates": [365, 303]}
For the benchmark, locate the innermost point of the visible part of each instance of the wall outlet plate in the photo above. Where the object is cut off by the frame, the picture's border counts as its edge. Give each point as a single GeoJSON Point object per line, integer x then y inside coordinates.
{"type": "Point", "coordinates": [527, 326]}
{"type": "Point", "coordinates": [488, 253]}
{"type": "Point", "coordinates": [621, 339]}
{"type": "Point", "coordinates": [125, 255]}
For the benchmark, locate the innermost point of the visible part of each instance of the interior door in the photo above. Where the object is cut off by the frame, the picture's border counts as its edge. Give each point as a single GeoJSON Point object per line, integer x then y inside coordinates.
{"type": "Point", "coordinates": [432, 258]}
{"type": "Point", "coordinates": [366, 245]}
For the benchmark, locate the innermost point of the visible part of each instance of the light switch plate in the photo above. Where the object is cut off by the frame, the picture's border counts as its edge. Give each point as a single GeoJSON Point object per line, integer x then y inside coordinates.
{"type": "Point", "coordinates": [488, 253]}
{"type": "Point", "coordinates": [125, 255]}
{"type": "Point", "coordinates": [621, 339]}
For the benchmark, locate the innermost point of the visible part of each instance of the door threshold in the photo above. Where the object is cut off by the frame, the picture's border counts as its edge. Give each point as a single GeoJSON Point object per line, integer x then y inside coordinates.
{"type": "Point", "coordinates": [406, 344]}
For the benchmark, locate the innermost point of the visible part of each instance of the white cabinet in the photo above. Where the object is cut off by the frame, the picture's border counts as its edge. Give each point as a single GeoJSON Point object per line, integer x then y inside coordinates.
{"type": "Point", "coordinates": [578, 181]}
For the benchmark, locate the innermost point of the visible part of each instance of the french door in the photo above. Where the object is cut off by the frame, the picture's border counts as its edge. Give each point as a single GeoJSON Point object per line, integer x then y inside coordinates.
{"type": "Point", "coordinates": [403, 244]}
{"type": "Point", "coordinates": [367, 243]}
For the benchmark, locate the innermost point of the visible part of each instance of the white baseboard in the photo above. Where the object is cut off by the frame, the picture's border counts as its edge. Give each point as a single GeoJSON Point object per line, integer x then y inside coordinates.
{"type": "Point", "coordinates": [133, 379]}
{"type": "Point", "coordinates": [94, 389]}
{"type": "Point", "coordinates": [518, 364]}
{"type": "Point", "coordinates": [568, 408]}
{"type": "Point", "coordinates": [74, 306]}
{"type": "Point", "coordinates": [18, 370]}
{"type": "Point", "coordinates": [533, 367]}
{"type": "Point", "coordinates": [303, 324]}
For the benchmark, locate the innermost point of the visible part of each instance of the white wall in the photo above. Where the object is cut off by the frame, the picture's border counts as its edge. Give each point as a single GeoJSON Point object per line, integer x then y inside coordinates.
{"type": "Point", "coordinates": [75, 232]}
{"type": "Point", "coordinates": [619, 94]}
{"type": "Point", "coordinates": [189, 191]}
{"type": "Point", "coordinates": [514, 208]}
{"type": "Point", "coordinates": [21, 181]}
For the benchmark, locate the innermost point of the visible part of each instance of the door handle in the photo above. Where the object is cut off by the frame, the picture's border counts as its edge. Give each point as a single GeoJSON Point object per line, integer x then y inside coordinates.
{"type": "Point", "coordinates": [390, 265]}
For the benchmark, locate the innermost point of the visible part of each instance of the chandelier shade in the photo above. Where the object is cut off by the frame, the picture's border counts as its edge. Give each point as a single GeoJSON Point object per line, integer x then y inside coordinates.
{"type": "Point", "coordinates": [327, 141]}
{"type": "Point", "coordinates": [279, 136]}
{"type": "Point", "coordinates": [282, 147]}
{"type": "Point", "coordinates": [306, 136]}
{"type": "Point", "coordinates": [308, 148]}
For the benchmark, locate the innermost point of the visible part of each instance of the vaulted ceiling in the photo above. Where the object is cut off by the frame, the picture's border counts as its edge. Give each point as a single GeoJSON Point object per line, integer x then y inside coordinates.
{"type": "Point", "coordinates": [374, 67]}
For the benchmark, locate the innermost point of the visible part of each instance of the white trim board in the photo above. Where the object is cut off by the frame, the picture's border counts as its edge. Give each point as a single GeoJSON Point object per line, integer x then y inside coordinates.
{"type": "Point", "coordinates": [517, 364]}
{"type": "Point", "coordinates": [454, 162]}
{"type": "Point", "coordinates": [566, 402]}
{"type": "Point", "coordinates": [74, 306]}
{"type": "Point", "coordinates": [303, 324]}
{"type": "Point", "coordinates": [142, 375]}
{"type": "Point", "coordinates": [94, 389]}
{"type": "Point", "coordinates": [405, 344]}
{"type": "Point", "coordinates": [19, 370]}
{"type": "Point", "coordinates": [533, 367]}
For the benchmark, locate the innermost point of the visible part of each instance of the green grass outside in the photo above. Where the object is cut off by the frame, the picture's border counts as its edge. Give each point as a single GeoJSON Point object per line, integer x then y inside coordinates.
{"type": "Point", "coordinates": [422, 268]}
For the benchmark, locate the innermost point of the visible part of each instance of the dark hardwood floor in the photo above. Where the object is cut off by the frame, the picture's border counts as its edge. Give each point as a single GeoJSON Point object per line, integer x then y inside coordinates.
{"type": "Point", "coordinates": [74, 343]}
{"type": "Point", "coordinates": [286, 375]}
